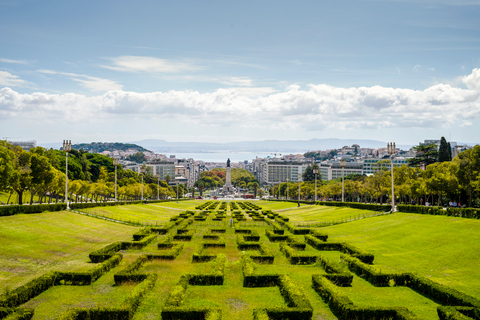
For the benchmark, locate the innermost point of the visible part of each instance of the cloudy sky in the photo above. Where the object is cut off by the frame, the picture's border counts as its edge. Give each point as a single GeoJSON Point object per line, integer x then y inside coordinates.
{"type": "Point", "coordinates": [220, 71]}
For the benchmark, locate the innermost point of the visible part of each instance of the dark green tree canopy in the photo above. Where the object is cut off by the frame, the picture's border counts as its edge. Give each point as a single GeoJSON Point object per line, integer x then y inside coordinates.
{"type": "Point", "coordinates": [308, 174]}
{"type": "Point", "coordinates": [426, 154]}
{"type": "Point", "coordinates": [444, 152]}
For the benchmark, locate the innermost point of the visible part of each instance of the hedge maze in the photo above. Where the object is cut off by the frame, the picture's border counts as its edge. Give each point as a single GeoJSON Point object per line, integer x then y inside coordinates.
{"type": "Point", "coordinates": [237, 261]}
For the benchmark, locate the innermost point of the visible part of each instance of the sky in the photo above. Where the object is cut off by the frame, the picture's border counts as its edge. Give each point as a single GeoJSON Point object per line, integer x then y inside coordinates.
{"type": "Point", "coordinates": [223, 71]}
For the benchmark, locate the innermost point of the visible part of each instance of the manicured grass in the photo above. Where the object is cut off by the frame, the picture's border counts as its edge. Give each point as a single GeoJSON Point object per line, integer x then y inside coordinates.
{"type": "Point", "coordinates": [31, 245]}
{"type": "Point", "coordinates": [150, 214]}
{"type": "Point", "coordinates": [315, 213]}
{"type": "Point", "coordinates": [276, 205]}
{"type": "Point", "coordinates": [445, 249]}
{"type": "Point", "coordinates": [442, 248]}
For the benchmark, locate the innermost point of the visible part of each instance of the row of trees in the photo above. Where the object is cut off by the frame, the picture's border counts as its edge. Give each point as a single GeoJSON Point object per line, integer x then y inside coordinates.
{"type": "Point", "coordinates": [441, 182]}
{"type": "Point", "coordinates": [41, 173]}
{"type": "Point", "coordinates": [216, 177]}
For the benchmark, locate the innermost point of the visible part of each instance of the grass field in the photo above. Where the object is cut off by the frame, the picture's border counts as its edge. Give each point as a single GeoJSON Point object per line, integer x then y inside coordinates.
{"type": "Point", "coordinates": [148, 214]}
{"type": "Point", "coordinates": [31, 245]}
{"type": "Point", "coordinates": [445, 249]}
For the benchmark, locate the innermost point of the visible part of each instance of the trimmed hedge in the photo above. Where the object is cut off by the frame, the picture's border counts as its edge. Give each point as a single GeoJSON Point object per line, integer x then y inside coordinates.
{"type": "Point", "coordinates": [273, 236]}
{"type": "Point", "coordinates": [470, 213]}
{"type": "Point", "coordinates": [173, 309]}
{"type": "Point", "coordinates": [124, 312]}
{"type": "Point", "coordinates": [357, 205]}
{"type": "Point", "coordinates": [16, 314]}
{"type": "Point", "coordinates": [374, 276]}
{"type": "Point", "coordinates": [340, 246]}
{"type": "Point", "coordinates": [457, 313]}
{"type": "Point", "coordinates": [87, 278]}
{"type": "Point", "coordinates": [438, 292]}
{"type": "Point", "coordinates": [343, 307]}
{"type": "Point", "coordinates": [29, 290]}
{"type": "Point", "coordinates": [11, 210]}
{"type": "Point", "coordinates": [295, 258]}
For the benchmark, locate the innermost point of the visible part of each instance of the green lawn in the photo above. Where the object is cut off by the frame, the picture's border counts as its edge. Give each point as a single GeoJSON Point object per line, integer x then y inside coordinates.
{"type": "Point", "coordinates": [154, 213]}
{"type": "Point", "coordinates": [315, 213]}
{"type": "Point", "coordinates": [445, 249]}
{"type": "Point", "coordinates": [31, 245]}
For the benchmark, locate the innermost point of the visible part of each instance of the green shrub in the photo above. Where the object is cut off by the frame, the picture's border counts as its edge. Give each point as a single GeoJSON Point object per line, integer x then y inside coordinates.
{"type": "Point", "coordinates": [29, 290]}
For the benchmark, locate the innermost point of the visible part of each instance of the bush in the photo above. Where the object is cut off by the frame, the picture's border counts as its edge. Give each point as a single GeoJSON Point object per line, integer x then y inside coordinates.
{"type": "Point", "coordinates": [29, 290]}
{"type": "Point", "coordinates": [471, 213]}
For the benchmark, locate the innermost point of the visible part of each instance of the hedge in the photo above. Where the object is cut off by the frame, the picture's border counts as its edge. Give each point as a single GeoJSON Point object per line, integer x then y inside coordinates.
{"type": "Point", "coordinates": [10, 210]}
{"type": "Point", "coordinates": [357, 205]}
{"type": "Point", "coordinates": [336, 272]}
{"type": "Point", "coordinates": [29, 290]}
{"type": "Point", "coordinates": [446, 295]}
{"type": "Point", "coordinates": [295, 258]}
{"type": "Point", "coordinates": [274, 237]}
{"type": "Point", "coordinates": [16, 314]}
{"type": "Point", "coordinates": [340, 246]}
{"type": "Point", "coordinates": [173, 308]}
{"type": "Point", "coordinates": [471, 213]}
{"type": "Point", "coordinates": [374, 276]}
{"type": "Point", "coordinates": [87, 278]}
{"type": "Point", "coordinates": [124, 312]}
{"type": "Point", "coordinates": [457, 313]}
{"type": "Point", "coordinates": [343, 307]}
{"type": "Point", "coordinates": [438, 292]}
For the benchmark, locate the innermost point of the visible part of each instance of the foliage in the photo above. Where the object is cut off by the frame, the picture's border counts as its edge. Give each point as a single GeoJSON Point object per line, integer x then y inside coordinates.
{"type": "Point", "coordinates": [425, 155]}
{"type": "Point", "coordinates": [98, 147]}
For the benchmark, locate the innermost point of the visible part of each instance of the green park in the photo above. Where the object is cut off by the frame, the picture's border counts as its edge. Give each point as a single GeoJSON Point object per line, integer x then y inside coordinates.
{"type": "Point", "coordinates": [152, 252]}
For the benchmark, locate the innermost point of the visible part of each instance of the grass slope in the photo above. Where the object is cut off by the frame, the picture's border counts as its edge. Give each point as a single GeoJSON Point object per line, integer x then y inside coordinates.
{"type": "Point", "coordinates": [31, 245]}
{"type": "Point", "coordinates": [445, 249]}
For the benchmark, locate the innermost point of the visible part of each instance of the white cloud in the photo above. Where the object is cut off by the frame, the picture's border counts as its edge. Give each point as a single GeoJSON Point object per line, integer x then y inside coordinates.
{"type": "Point", "coordinates": [10, 80]}
{"type": "Point", "coordinates": [90, 83]}
{"type": "Point", "coordinates": [14, 61]}
{"type": "Point", "coordinates": [472, 81]}
{"type": "Point", "coordinates": [149, 65]}
{"type": "Point", "coordinates": [317, 107]}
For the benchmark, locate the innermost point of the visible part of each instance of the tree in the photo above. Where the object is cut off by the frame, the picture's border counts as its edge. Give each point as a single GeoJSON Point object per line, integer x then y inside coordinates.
{"type": "Point", "coordinates": [138, 157]}
{"type": "Point", "coordinates": [6, 166]}
{"type": "Point", "coordinates": [308, 174]}
{"type": "Point", "coordinates": [444, 152]}
{"type": "Point", "coordinates": [468, 163]}
{"type": "Point", "coordinates": [254, 185]}
{"type": "Point", "coordinates": [425, 155]}
{"type": "Point", "coordinates": [21, 174]}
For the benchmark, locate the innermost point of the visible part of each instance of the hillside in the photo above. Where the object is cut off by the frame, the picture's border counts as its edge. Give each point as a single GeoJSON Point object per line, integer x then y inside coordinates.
{"type": "Point", "coordinates": [97, 147]}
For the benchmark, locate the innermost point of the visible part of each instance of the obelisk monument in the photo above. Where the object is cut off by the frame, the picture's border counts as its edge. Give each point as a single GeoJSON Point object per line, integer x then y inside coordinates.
{"type": "Point", "coordinates": [228, 188]}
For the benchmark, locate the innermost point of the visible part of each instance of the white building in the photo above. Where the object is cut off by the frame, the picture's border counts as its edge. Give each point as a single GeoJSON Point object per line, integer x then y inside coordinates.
{"type": "Point", "coordinates": [333, 170]}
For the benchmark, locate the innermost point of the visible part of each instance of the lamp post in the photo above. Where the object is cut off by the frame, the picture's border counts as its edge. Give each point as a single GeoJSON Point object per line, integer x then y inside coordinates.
{"type": "Point", "coordinates": [67, 147]}
{"type": "Point", "coordinates": [391, 152]}
{"type": "Point", "coordinates": [279, 190]}
{"type": "Point", "coordinates": [158, 188]}
{"type": "Point", "coordinates": [315, 172]}
{"type": "Point", "coordinates": [116, 162]}
{"type": "Point", "coordinates": [288, 181]}
{"type": "Point", "coordinates": [141, 170]}
{"type": "Point", "coordinates": [299, 177]}
{"type": "Point", "coordinates": [343, 164]}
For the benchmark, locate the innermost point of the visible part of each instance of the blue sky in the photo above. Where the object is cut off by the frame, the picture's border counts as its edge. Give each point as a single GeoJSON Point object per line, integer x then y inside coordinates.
{"type": "Point", "coordinates": [224, 71]}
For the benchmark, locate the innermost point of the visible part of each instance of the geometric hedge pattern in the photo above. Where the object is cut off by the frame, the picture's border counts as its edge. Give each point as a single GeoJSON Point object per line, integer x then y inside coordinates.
{"type": "Point", "coordinates": [221, 252]}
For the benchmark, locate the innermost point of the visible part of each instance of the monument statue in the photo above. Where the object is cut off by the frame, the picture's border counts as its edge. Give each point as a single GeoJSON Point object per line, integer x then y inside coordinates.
{"type": "Point", "coordinates": [228, 188]}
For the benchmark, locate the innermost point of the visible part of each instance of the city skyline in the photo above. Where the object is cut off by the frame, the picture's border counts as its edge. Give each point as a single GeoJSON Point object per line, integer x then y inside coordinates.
{"type": "Point", "coordinates": [401, 71]}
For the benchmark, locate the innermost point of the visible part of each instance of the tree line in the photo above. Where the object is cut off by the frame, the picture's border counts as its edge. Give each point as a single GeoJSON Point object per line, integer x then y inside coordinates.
{"type": "Point", "coordinates": [429, 177]}
{"type": "Point", "coordinates": [91, 177]}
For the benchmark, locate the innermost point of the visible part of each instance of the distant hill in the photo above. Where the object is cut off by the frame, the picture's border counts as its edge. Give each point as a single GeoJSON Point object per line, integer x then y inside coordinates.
{"type": "Point", "coordinates": [300, 146]}
{"type": "Point", "coordinates": [97, 147]}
